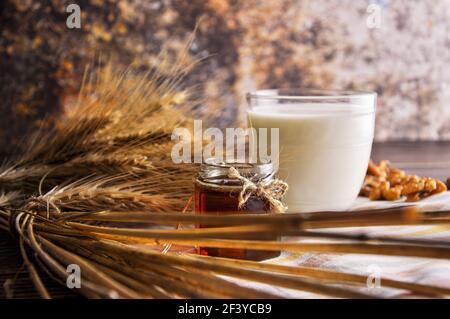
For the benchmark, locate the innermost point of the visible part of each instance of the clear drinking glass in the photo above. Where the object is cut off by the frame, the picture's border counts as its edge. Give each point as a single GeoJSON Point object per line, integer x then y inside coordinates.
{"type": "Point", "coordinates": [325, 141]}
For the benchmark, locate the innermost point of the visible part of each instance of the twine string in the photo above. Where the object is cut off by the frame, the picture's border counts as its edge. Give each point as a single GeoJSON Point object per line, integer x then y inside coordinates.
{"type": "Point", "coordinates": [272, 191]}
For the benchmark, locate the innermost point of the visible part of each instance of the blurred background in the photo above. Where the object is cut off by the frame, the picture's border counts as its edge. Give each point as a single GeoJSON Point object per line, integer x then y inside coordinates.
{"type": "Point", "coordinates": [398, 48]}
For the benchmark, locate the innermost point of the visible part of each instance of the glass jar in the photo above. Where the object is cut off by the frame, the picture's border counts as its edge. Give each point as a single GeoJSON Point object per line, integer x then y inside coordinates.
{"type": "Point", "coordinates": [216, 193]}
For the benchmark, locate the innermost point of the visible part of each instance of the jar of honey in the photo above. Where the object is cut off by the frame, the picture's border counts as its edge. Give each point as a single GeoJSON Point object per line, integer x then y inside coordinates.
{"type": "Point", "coordinates": [217, 193]}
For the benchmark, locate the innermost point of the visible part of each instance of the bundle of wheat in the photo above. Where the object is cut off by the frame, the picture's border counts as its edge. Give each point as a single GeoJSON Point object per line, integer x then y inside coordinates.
{"type": "Point", "coordinates": [86, 192]}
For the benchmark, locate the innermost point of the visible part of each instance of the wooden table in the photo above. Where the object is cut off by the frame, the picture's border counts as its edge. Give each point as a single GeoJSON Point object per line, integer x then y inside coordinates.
{"type": "Point", "coordinates": [424, 158]}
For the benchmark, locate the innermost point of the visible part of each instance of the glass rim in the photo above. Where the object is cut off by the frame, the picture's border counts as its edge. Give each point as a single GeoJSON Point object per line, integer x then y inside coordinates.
{"type": "Point", "coordinates": [221, 164]}
{"type": "Point", "coordinates": [213, 170]}
{"type": "Point", "coordinates": [308, 94]}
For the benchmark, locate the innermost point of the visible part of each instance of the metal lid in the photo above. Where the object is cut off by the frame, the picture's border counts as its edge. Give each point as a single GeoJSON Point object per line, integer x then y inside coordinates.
{"type": "Point", "coordinates": [216, 171]}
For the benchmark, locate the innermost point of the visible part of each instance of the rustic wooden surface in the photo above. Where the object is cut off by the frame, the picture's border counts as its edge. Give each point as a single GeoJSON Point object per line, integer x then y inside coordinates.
{"type": "Point", "coordinates": [424, 158]}
{"type": "Point", "coordinates": [421, 158]}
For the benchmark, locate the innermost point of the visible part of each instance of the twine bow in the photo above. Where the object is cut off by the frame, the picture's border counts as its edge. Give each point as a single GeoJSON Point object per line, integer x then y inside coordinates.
{"type": "Point", "coordinates": [272, 191]}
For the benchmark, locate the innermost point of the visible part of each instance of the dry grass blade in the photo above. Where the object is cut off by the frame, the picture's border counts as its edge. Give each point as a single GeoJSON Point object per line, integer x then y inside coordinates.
{"type": "Point", "coordinates": [425, 251]}
{"type": "Point", "coordinates": [397, 216]}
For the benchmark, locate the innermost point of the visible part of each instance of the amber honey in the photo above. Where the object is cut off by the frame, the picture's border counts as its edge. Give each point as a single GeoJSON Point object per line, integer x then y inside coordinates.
{"type": "Point", "coordinates": [216, 194]}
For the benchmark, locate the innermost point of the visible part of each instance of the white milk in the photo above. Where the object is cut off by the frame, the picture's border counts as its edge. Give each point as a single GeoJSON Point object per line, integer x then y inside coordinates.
{"type": "Point", "coordinates": [324, 151]}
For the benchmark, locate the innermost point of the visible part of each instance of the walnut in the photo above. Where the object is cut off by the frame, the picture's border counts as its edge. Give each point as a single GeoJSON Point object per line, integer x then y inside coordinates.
{"type": "Point", "coordinates": [373, 170]}
{"type": "Point", "coordinates": [396, 176]}
{"type": "Point", "coordinates": [375, 194]}
{"type": "Point", "coordinates": [393, 193]}
{"type": "Point", "coordinates": [430, 185]}
{"type": "Point", "coordinates": [414, 197]}
{"type": "Point", "coordinates": [413, 186]}
{"type": "Point", "coordinates": [440, 187]}
{"type": "Point", "coordinates": [384, 181]}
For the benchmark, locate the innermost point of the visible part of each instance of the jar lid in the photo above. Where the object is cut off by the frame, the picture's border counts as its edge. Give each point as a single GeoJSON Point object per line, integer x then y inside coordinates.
{"type": "Point", "coordinates": [215, 171]}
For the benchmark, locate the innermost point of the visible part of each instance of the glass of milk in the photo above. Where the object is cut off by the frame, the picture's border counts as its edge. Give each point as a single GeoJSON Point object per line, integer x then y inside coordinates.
{"type": "Point", "coordinates": [325, 140]}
